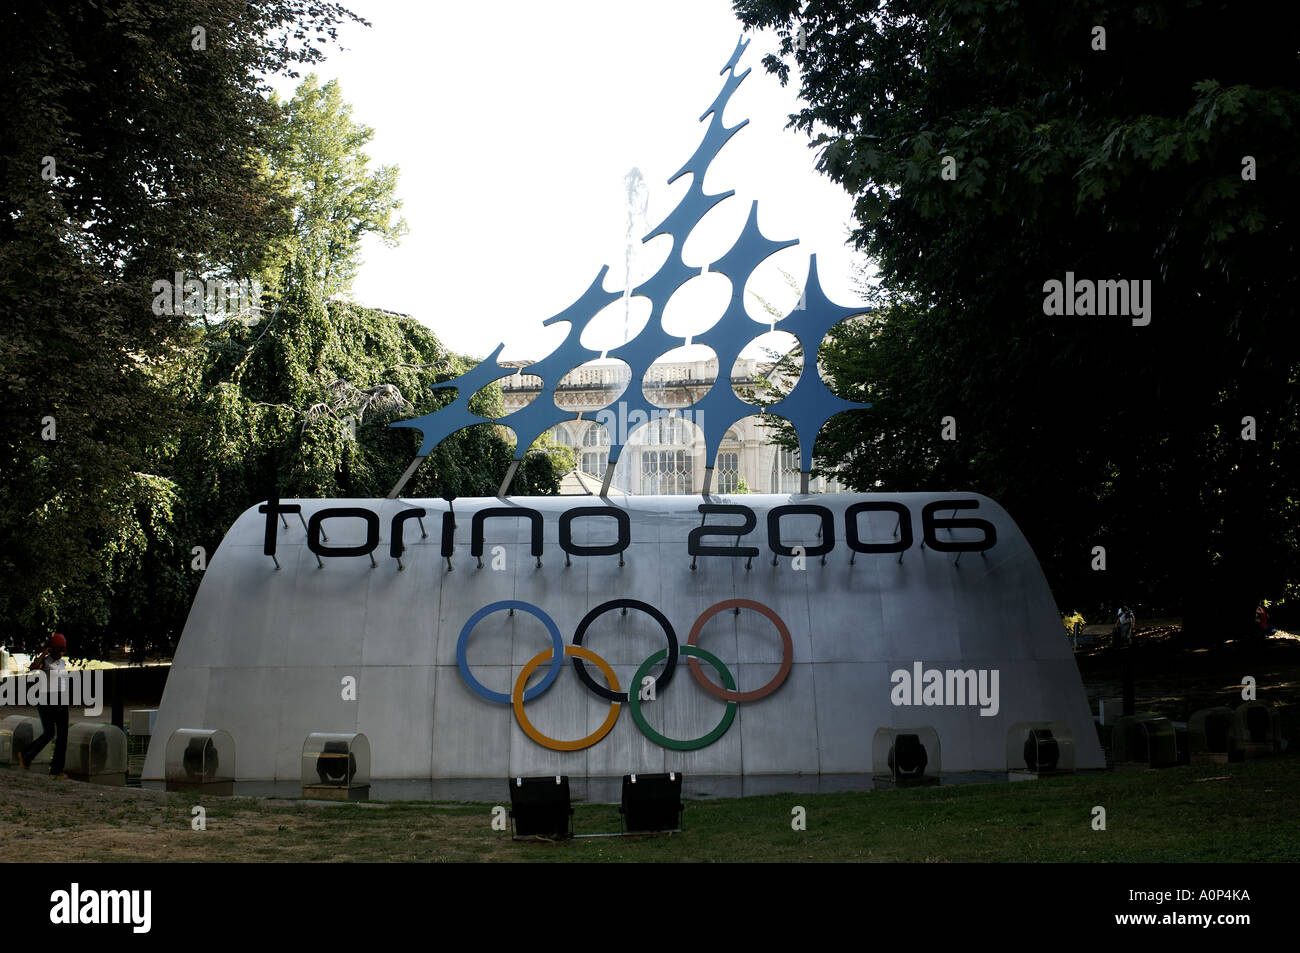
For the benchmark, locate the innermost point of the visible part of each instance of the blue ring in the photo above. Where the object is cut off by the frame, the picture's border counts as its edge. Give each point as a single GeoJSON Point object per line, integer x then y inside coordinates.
{"type": "Point", "coordinates": [462, 662]}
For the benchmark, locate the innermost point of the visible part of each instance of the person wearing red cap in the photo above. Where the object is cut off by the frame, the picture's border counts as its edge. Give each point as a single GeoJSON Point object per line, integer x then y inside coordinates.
{"type": "Point", "coordinates": [54, 711]}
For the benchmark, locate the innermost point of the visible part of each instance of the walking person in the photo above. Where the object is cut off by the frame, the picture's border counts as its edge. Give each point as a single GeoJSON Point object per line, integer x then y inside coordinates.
{"type": "Point", "coordinates": [54, 707]}
{"type": "Point", "coordinates": [1125, 622]}
{"type": "Point", "coordinates": [1262, 626]}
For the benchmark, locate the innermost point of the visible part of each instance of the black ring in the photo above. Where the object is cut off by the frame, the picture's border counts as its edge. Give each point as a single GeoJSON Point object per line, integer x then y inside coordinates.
{"type": "Point", "coordinates": [670, 664]}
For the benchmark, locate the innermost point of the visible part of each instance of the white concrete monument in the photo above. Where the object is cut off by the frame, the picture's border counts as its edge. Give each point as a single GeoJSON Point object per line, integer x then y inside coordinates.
{"type": "Point", "coordinates": [856, 612]}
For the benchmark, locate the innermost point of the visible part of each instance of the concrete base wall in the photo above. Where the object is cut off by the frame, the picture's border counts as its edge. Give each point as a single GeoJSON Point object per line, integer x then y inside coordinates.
{"type": "Point", "coordinates": [265, 653]}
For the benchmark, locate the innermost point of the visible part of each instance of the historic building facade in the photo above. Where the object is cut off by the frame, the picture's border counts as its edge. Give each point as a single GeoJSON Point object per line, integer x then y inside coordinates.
{"type": "Point", "coordinates": [664, 455]}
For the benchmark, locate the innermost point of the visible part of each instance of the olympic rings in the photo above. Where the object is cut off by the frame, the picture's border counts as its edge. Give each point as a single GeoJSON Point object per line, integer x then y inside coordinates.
{"type": "Point", "coordinates": [787, 652]}
{"type": "Point", "coordinates": [664, 677]}
{"type": "Point", "coordinates": [517, 699]}
{"type": "Point", "coordinates": [462, 661]}
{"type": "Point", "coordinates": [634, 702]}
{"type": "Point", "coordinates": [612, 693]}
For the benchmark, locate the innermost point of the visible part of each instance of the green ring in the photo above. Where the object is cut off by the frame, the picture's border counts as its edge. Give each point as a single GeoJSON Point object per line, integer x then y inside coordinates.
{"type": "Point", "coordinates": [634, 700]}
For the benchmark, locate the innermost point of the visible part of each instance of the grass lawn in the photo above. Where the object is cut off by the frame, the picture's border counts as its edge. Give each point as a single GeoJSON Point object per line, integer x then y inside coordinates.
{"type": "Point", "coordinates": [1221, 813]}
{"type": "Point", "coordinates": [1216, 813]}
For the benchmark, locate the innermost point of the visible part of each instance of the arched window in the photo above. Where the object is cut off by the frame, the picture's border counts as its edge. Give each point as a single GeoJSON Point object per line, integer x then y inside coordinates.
{"type": "Point", "coordinates": [728, 471]}
{"type": "Point", "coordinates": [595, 450]}
{"type": "Point", "coordinates": [785, 471]}
{"type": "Point", "coordinates": [666, 471]}
{"type": "Point", "coordinates": [664, 431]}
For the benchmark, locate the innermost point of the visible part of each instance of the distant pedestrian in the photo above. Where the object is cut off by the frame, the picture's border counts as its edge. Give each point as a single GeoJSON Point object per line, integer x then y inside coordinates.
{"type": "Point", "coordinates": [1125, 622]}
{"type": "Point", "coordinates": [1265, 628]}
{"type": "Point", "coordinates": [54, 707]}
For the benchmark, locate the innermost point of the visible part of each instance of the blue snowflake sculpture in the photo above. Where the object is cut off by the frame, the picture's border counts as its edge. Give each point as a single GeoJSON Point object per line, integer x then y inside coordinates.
{"type": "Point", "coordinates": [808, 405]}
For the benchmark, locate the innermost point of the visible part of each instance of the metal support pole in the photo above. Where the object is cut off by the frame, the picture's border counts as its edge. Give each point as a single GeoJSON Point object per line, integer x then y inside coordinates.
{"type": "Point", "coordinates": [1130, 688]}
{"type": "Point", "coordinates": [510, 477]}
{"type": "Point", "coordinates": [118, 694]}
{"type": "Point", "coordinates": [304, 527]}
{"type": "Point", "coordinates": [405, 478]}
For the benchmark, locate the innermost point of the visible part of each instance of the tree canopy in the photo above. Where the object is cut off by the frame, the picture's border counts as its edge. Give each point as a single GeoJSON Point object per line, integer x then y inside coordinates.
{"type": "Point", "coordinates": [142, 146]}
{"type": "Point", "coordinates": [317, 160]}
{"type": "Point", "coordinates": [127, 153]}
{"type": "Point", "coordinates": [994, 147]}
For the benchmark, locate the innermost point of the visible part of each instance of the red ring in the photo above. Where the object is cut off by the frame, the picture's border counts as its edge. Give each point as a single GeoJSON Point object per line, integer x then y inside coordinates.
{"type": "Point", "coordinates": [787, 651]}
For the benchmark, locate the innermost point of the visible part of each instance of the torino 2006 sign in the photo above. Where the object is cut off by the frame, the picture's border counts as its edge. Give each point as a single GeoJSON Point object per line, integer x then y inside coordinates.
{"type": "Point", "coordinates": [696, 543]}
{"type": "Point", "coordinates": [707, 539]}
{"type": "Point", "coordinates": [745, 635]}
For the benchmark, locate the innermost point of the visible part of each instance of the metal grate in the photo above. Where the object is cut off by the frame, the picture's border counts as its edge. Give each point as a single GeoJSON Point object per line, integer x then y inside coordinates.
{"type": "Point", "coordinates": [136, 747]}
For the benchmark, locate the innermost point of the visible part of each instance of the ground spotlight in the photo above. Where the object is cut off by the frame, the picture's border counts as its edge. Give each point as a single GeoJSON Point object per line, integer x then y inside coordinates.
{"type": "Point", "coordinates": [652, 802]}
{"type": "Point", "coordinates": [541, 807]}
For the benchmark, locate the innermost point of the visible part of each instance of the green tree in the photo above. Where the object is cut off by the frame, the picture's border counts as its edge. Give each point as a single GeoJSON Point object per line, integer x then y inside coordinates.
{"type": "Point", "coordinates": [317, 161]}
{"type": "Point", "coordinates": [992, 147]}
{"type": "Point", "coordinates": [300, 405]}
{"type": "Point", "coordinates": [129, 149]}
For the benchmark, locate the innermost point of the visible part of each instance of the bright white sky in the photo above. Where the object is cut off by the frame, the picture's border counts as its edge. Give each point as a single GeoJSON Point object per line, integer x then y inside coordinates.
{"type": "Point", "coordinates": [514, 125]}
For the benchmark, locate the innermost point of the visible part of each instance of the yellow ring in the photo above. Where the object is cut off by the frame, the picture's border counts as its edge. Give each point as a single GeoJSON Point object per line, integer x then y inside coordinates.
{"type": "Point", "coordinates": [517, 700]}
